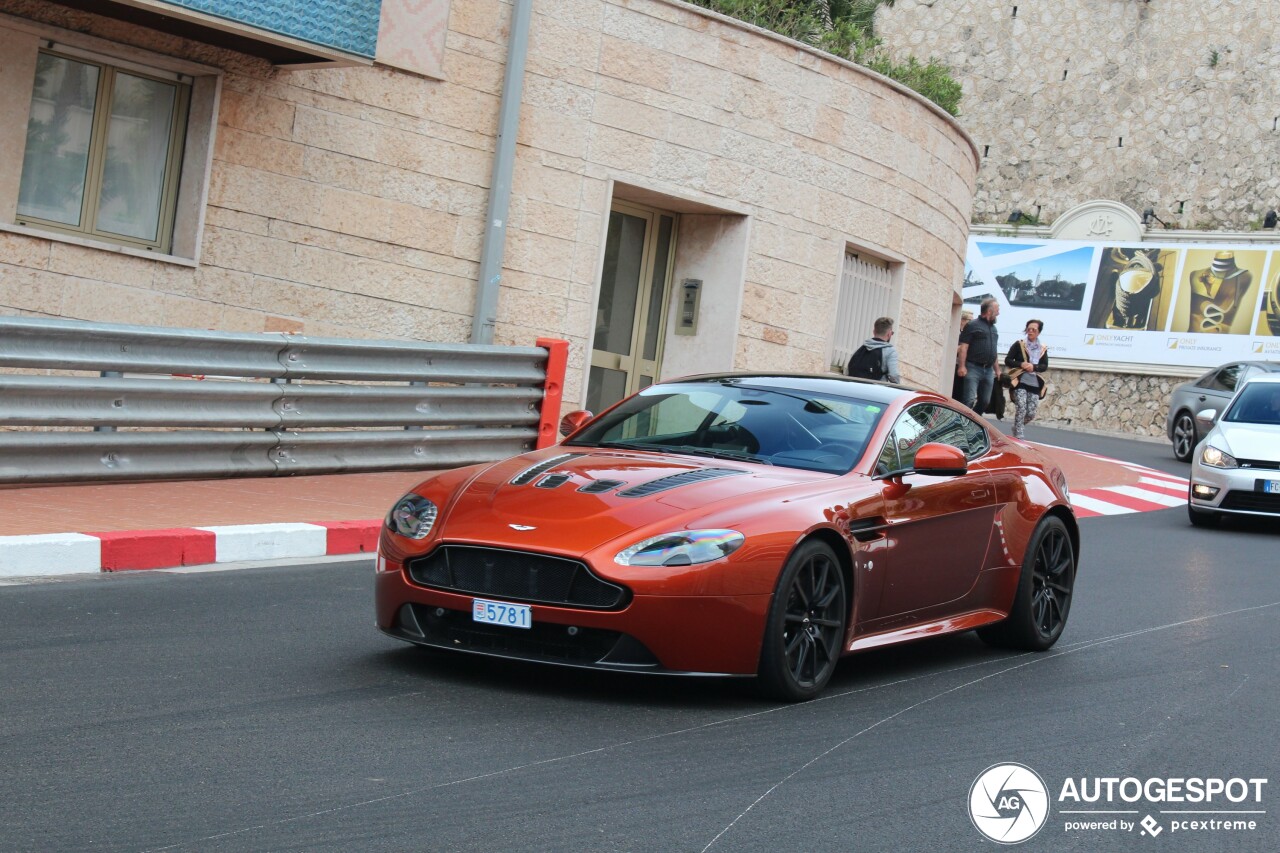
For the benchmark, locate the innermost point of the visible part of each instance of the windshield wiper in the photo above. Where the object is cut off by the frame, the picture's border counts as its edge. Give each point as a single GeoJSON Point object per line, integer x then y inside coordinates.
{"type": "Point", "coordinates": [625, 445]}
{"type": "Point", "coordinates": [718, 453]}
{"type": "Point", "coordinates": [687, 449]}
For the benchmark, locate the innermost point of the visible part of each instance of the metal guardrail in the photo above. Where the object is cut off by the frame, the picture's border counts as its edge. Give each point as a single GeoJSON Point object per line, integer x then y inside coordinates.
{"type": "Point", "coordinates": [464, 404]}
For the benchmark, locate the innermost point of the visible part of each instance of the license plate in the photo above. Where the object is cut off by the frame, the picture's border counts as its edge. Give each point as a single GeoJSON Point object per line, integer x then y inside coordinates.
{"type": "Point", "coordinates": [501, 613]}
{"type": "Point", "coordinates": [1271, 486]}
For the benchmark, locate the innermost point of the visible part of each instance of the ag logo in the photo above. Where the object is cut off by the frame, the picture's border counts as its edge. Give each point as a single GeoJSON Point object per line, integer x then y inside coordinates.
{"type": "Point", "coordinates": [1008, 803]}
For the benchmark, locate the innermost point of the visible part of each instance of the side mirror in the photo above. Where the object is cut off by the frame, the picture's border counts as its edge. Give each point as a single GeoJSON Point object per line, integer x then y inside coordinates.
{"type": "Point", "coordinates": [940, 460]}
{"type": "Point", "coordinates": [573, 422]}
{"type": "Point", "coordinates": [1205, 419]}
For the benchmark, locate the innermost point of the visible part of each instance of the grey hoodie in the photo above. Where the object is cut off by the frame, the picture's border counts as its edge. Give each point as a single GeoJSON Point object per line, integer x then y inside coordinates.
{"type": "Point", "coordinates": [888, 358]}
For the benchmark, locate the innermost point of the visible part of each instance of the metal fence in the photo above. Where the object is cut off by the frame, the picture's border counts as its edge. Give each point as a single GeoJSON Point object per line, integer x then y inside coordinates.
{"type": "Point", "coordinates": [184, 404]}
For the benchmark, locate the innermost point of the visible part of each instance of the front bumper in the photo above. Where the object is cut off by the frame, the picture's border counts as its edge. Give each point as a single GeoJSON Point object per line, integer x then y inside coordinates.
{"type": "Point", "coordinates": [1239, 491]}
{"type": "Point", "coordinates": [670, 634]}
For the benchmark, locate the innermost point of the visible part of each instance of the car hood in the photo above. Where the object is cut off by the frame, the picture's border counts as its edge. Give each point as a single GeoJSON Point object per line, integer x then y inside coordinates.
{"type": "Point", "coordinates": [537, 500]}
{"type": "Point", "coordinates": [1249, 441]}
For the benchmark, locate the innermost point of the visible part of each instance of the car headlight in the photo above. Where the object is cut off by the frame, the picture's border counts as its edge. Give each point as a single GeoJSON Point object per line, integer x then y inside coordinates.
{"type": "Point", "coordinates": [413, 516]}
{"type": "Point", "coordinates": [682, 548]}
{"type": "Point", "coordinates": [1215, 457]}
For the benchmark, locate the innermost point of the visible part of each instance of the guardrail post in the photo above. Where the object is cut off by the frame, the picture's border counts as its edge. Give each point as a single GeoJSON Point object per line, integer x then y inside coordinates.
{"type": "Point", "coordinates": [552, 390]}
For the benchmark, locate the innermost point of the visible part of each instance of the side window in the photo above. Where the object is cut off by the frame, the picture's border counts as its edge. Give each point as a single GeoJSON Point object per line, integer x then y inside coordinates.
{"type": "Point", "coordinates": [975, 441]}
{"type": "Point", "coordinates": [927, 423]}
{"type": "Point", "coordinates": [1226, 378]}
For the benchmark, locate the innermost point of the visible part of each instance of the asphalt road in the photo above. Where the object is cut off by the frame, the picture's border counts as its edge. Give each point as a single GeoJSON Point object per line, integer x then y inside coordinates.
{"type": "Point", "coordinates": [260, 710]}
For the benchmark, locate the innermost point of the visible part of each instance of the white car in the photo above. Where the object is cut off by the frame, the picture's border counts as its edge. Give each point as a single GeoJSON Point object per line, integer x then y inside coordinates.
{"type": "Point", "coordinates": [1236, 468]}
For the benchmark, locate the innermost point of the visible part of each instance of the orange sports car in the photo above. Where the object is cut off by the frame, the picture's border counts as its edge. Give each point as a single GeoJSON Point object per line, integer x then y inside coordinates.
{"type": "Point", "coordinates": [755, 525]}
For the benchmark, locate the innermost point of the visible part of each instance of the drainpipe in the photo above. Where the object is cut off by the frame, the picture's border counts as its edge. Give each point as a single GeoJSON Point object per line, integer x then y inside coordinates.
{"type": "Point", "coordinates": [495, 231]}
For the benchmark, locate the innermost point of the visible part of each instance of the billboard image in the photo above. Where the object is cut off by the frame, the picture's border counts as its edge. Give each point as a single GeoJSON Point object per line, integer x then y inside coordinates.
{"type": "Point", "coordinates": [1133, 288]}
{"type": "Point", "coordinates": [1269, 314]}
{"type": "Point", "coordinates": [1218, 292]}
{"type": "Point", "coordinates": [1180, 305]}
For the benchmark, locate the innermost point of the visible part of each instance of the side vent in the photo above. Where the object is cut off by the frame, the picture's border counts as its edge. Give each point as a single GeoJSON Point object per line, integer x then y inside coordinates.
{"type": "Point", "coordinates": [596, 487]}
{"type": "Point", "coordinates": [675, 481]}
{"type": "Point", "coordinates": [528, 474]}
{"type": "Point", "coordinates": [551, 481]}
{"type": "Point", "coordinates": [868, 529]}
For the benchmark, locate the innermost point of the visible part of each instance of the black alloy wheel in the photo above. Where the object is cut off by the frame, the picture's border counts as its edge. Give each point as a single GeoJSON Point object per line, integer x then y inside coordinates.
{"type": "Point", "coordinates": [804, 634]}
{"type": "Point", "coordinates": [1184, 437]}
{"type": "Point", "coordinates": [1043, 598]}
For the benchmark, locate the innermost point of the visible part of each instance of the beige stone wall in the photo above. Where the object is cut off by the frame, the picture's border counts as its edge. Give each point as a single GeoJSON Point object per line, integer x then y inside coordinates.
{"type": "Point", "coordinates": [352, 201]}
{"type": "Point", "coordinates": [1050, 93]}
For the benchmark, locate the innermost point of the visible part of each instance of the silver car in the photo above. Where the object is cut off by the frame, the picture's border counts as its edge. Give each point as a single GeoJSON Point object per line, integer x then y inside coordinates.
{"type": "Point", "coordinates": [1236, 469]}
{"type": "Point", "coordinates": [1212, 391]}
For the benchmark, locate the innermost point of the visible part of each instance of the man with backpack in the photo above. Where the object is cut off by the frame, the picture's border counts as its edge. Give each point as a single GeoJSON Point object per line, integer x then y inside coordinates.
{"type": "Point", "coordinates": [877, 358]}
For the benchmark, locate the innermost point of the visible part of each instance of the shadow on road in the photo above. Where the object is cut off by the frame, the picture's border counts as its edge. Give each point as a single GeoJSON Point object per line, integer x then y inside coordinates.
{"type": "Point", "coordinates": [445, 670]}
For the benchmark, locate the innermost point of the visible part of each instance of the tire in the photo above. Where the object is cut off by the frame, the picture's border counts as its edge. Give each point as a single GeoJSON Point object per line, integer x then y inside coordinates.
{"type": "Point", "coordinates": [1184, 437]}
{"type": "Point", "coordinates": [1042, 601]}
{"type": "Point", "coordinates": [805, 627]}
{"type": "Point", "coordinates": [1203, 518]}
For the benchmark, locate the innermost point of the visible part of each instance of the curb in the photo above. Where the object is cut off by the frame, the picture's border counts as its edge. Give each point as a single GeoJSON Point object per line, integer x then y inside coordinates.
{"type": "Point", "coordinates": [136, 550]}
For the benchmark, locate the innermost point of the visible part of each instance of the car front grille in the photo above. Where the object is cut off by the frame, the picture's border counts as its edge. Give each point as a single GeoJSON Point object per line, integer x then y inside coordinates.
{"type": "Point", "coordinates": [1265, 464]}
{"type": "Point", "coordinates": [516, 576]}
{"type": "Point", "coordinates": [1251, 501]}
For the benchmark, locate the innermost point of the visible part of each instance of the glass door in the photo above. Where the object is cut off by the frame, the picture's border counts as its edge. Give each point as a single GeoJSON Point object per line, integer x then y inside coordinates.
{"type": "Point", "coordinates": [626, 354]}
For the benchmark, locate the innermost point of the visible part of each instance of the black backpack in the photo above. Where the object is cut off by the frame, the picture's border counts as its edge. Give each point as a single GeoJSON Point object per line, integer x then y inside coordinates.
{"type": "Point", "coordinates": [867, 363]}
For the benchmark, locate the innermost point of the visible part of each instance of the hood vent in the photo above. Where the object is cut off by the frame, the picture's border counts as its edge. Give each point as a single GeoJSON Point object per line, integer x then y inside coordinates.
{"type": "Point", "coordinates": [528, 474]}
{"type": "Point", "coordinates": [595, 487]}
{"type": "Point", "coordinates": [675, 481]}
{"type": "Point", "coordinates": [551, 481]}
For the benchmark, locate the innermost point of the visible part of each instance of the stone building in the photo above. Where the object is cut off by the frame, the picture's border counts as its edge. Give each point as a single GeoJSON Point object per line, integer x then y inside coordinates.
{"type": "Point", "coordinates": [689, 193]}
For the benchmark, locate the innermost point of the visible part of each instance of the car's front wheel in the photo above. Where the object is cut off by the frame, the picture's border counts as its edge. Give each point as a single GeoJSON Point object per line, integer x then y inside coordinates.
{"type": "Point", "coordinates": [804, 634]}
{"type": "Point", "coordinates": [1184, 437]}
{"type": "Point", "coordinates": [1043, 598]}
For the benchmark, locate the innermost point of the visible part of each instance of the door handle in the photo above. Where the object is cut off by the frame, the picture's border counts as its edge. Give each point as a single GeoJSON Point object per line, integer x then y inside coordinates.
{"type": "Point", "coordinates": [980, 493]}
{"type": "Point", "coordinates": [1201, 398]}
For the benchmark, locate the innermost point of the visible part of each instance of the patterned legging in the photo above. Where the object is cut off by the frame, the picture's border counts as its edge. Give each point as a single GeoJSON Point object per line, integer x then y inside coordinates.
{"type": "Point", "coordinates": [1025, 401]}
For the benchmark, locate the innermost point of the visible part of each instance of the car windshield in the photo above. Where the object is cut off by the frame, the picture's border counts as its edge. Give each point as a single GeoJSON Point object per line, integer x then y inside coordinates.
{"type": "Point", "coordinates": [732, 419]}
{"type": "Point", "coordinates": [1258, 403]}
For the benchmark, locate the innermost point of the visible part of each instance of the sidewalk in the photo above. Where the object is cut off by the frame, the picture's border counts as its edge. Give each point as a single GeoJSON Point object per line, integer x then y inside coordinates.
{"type": "Point", "coordinates": [47, 530]}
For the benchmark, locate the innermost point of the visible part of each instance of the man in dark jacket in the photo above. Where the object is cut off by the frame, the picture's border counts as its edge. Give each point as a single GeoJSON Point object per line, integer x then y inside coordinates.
{"type": "Point", "coordinates": [978, 360]}
{"type": "Point", "coordinates": [877, 358]}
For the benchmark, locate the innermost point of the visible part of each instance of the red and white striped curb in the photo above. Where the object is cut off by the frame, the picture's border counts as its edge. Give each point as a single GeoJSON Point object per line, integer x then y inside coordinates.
{"type": "Point", "coordinates": [129, 550]}
{"type": "Point", "coordinates": [1154, 490]}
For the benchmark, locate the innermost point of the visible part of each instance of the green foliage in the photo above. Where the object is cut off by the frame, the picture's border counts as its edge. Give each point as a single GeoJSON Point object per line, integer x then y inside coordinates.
{"type": "Point", "coordinates": [844, 28]}
{"type": "Point", "coordinates": [1214, 57]}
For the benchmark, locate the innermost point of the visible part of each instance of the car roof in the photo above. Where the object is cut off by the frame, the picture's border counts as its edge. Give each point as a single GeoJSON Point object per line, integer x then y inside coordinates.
{"type": "Point", "coordinates": [1267, 378]}
{"type": "Point", "coordinates": [814, 383]}
{"type": "Point", "coordinates": [1269, 366]}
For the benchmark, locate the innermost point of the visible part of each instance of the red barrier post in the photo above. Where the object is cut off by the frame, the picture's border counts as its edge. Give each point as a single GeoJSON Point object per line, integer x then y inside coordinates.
{"type": "Point", "coordinates": [552, 390]}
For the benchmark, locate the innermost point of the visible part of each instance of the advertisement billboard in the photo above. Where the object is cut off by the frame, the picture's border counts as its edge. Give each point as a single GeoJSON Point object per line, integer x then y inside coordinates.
{"type": "Point", "coordinates": [1181, 305]}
